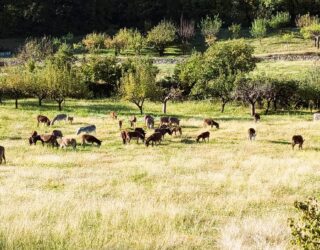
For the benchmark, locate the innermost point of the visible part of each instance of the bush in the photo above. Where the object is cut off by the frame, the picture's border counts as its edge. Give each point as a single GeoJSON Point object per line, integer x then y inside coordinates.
{"type": "Point", "coordinates": [210, 27]}
{"type": "Point", "coordinates": [259, 28]}
{"type": "Point", "coordinates": [235, 30]}
{"type": "Point", "coordinates": [306, 20]}
{"type": "Point", "coordinates": [306, 230]}
{"type": "Point", "coordinates": [280, 20]}
{"type": "Point", "coordinates": [94, 41]}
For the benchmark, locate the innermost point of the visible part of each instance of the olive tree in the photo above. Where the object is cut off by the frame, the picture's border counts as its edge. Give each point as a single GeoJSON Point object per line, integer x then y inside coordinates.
{"type": "Point", "coordinates": [139, 84]}
{"type": "Point", "coordinates": [169, 90]}
{"type": "Point", "coordinates": [161, 36]}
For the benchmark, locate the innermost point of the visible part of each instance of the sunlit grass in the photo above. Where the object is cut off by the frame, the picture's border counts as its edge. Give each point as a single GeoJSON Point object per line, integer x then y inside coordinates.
{"type": "Point", "coordinates": [227, 194]}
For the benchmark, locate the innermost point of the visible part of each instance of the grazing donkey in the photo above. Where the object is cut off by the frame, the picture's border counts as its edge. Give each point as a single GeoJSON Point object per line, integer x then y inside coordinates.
{"type": "Point", "coordinates": [134, 135]}
{"type": "Point", "coordinates": [164, 120]}
{"type": "Point", "coordinates": [163, 131]}
{"type": "Point", "coordinates": [58, 118]}
{"type": "Point", "coordinates": [113, 115]}
{"type": "Point", "coordinates": [176, 129]}
{"type": "Point", "coordinates": [67, 142]}
{"type": "Point", "coordinates": [2, 155]}
{"type": "Point", "coordinates": [88, 129]}
{"type": "Point", "coordinates": [251, 134]}
{"type": "Point", "coordinates": [210, 122]}
{"type": "Point", "coordinates": [70, 119]}
{"type": "Point", "coordinates": [154, 138]}
{"type": "Point", "coordinates": [90, 139]}
{"type": "Point", "coordinates": [203, 136]}
{"type": "Point", "coordinates": [48, 138]}
{"type": "Point", "coordinates": [149, 120]}
{"type": "Point", "coordinates": [140, 130]}
{"type": "Point", "coordinates": [256, 117]}
{"type": "Point", "coordinates": [120, 124]}
{"type": "Point", "coordinates": [297, 139]}
{"type": "Point", "coordinates": [133, 121]}
{"type": "Point", "coordinates": [57, 133]}
{"type": "Point", "coordinates": [43, 119]}
{"type": "Point", "coordinates": [174, 121]}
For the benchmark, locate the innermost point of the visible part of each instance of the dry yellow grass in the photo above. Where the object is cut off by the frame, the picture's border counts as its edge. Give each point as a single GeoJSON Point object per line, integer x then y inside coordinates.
{"type": "Point", "coordinates": [226, 194]}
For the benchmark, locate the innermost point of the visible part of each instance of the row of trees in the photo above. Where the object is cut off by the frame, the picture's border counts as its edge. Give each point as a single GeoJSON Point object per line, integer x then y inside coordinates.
{"type": "Point", "coordinates": [223, 72]}
{"type": "Point", "coordinates": [38, 17]}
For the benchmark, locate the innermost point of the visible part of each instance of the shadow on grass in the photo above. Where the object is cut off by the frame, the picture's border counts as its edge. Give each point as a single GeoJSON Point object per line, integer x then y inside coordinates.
{"type": "Point", "coordinates": [188, 141]}
{"type": "Point", "coordinates": [281, 142]}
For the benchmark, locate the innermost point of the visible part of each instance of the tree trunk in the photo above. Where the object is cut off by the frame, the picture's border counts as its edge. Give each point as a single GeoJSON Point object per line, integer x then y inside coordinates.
{"type": "Point", "coordinates": [222, 106]}
{"type": "Point", "coordinates": [161, 51]}
{"type": "Point", "coordinates": [164, 107]}
{"type": "Point", "coordinates": [268, 107]}
{"type": "Point", "coordinates": [16, 103]}
{"type": "Point", "coordinates": [40, 101]}
{"type": "Point", "coordinates": [253, 108]}
{"type": "Point", "coordinates": [60, 104]}
{"type": "Point", "coordinates": [141, 109]}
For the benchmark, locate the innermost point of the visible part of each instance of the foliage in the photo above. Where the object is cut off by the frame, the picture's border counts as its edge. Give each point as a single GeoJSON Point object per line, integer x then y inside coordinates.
{"type": "Point", "coordinates": [279, 20]}
{"type": "Point", "coordinates": [36, 49]}
{"type": "Point", "coordinates": [310, 31]}
{"type": "Point", "coordinates": [136, 41]}
{"type": "Point", "coordinates": [259, 28]}
{"type": "Point", "coordinates": [139, 84]}
{"type": "Point", "coordinates": [189, 72]}
{"type": "Point", "coordinates": [306, 20]}
{"type": "Point", "coordinates": [306, 229]}
{"type": "Point", "coordinates": [162, 35]}
{"type": "Point", "coordinates": [94, 41]}
{"type": "Point", "coordinates": [235, 30]}
{"type": "Point", "coordinates": [210, 28]}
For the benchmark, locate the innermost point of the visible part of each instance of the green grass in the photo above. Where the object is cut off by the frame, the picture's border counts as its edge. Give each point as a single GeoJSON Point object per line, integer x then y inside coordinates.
{"type": "Point", "coordinates": [228, 194]}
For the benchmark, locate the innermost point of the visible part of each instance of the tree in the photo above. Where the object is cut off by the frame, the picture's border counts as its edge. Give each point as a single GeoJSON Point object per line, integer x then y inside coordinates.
{"type": "Point", "coordinates": [210, 27]}
{"type": "Point", "coordinates": [259, 28]}
{"type": "Point", "coordinates": [186, 32]}
{"type": "Point", "coordinates": [189, 72]}
{"type": "Point", "coordinates": [161, 36]}
{"type": "Point", "coordinates": [139, 84]}
{"type": "Point", "coordinates": [279, 20]}
{"type": "Point", "coordinates": [94, 41]}
{"type": "Point", "coordinates": [312, 32]}
{"type": "Point", "coordinates": [249, 90]}
{"type": "Point", "coordinates": [136, 41]}
{"type": "Point", "coordinates": [36, 84]}
{"type": "Point", "coordinates": [15, 83]}
{"type": "Point", "coordinates": [169, 90]}
{"type": "Point", "coordinates": [36, 49]}
{"type": "Point", "coordinates": [102, 74]}
{"type": "Point", "coordinates": [62, 82]}
{"type": "Point", "coordinates": [235, 30]}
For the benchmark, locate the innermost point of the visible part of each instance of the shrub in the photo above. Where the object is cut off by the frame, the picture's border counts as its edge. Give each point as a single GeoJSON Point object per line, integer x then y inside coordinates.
{"type": "Point", "coordinates": [306, 230]}
{"type": "Point", "coordinates": [94, 41]}
{"type": "Point", "coordinates": [259, 28]}
{"type": "Point", "coordinates": [235, 30]}
{"type": "Point", "coordinates": [280, 20]}
{"type": "Point", "coordinates": [306, 20]}
{"type": "Point", "coordinates": [210, 27]}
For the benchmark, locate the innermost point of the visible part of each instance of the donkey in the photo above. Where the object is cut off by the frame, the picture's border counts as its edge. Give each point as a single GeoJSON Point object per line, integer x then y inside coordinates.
{"type": "Point", "coordinates": [256, 117]}
{"type": "Point", "coordinates": [149, 120]}
{"type": "Point", "coordinates": [297, 139]}
{"type": "Point", "coordinates": [133, 121]}
{"type": "Point", "coordinates": [57, 133]}
{"type": "Point", "coordinates": [2, 155]}
{"type": "Point", "coordinates": [43, 119]}
{"type": "Point", "coordinates": [203, 136]}
{"type": "Point", "coordinates": [210, 122]}
{"type": "Point", "coordinates": [60, 117]}
{"type": "Point", "coordinates": [90, 139]}
{"type": "Point", "coordinates": [174, 121]}
{"type": "Point", "coordinates": [251, 134]}
{"type": "Point", "coordinates": [163, 131]}
{"type": "Point", "coordinates": [67, 142]}
{"type": "Point", "coordinates": [88, 129]}
{"type": "Point", "coordinates": [154, 139]}
{"type": "Point", "coordinates": [134, 135]}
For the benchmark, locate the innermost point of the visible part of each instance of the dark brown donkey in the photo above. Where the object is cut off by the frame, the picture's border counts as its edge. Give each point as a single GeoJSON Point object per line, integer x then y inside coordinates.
{"type": "Point", "coordinates": [297, 139]}
{"type": "Point", "coordinates": [154, 138]}
{"type": "Point", "coordinates": [90, 139]}
{"type": "Point", "coordinates": [210, 122]}
{"type": "Point", "coordinates": [2, 155]}
{"type": "Point", "coordinates": [43, 119]}
{"type": "Point", "coordinates": [203, 136]}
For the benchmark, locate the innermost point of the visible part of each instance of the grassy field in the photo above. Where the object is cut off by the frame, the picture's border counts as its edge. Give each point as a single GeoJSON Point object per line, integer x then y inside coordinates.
{"type": "Point", "coordinates": [226, 194]}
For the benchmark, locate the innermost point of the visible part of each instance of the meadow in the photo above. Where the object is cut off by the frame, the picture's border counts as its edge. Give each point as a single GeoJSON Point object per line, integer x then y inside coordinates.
{"type": "Point", "coordinates": [229, 193]}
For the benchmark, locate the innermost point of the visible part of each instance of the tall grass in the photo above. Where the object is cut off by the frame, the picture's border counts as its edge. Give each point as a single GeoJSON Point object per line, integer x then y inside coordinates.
{"type": "Point", "coordinates": [227, 194]}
